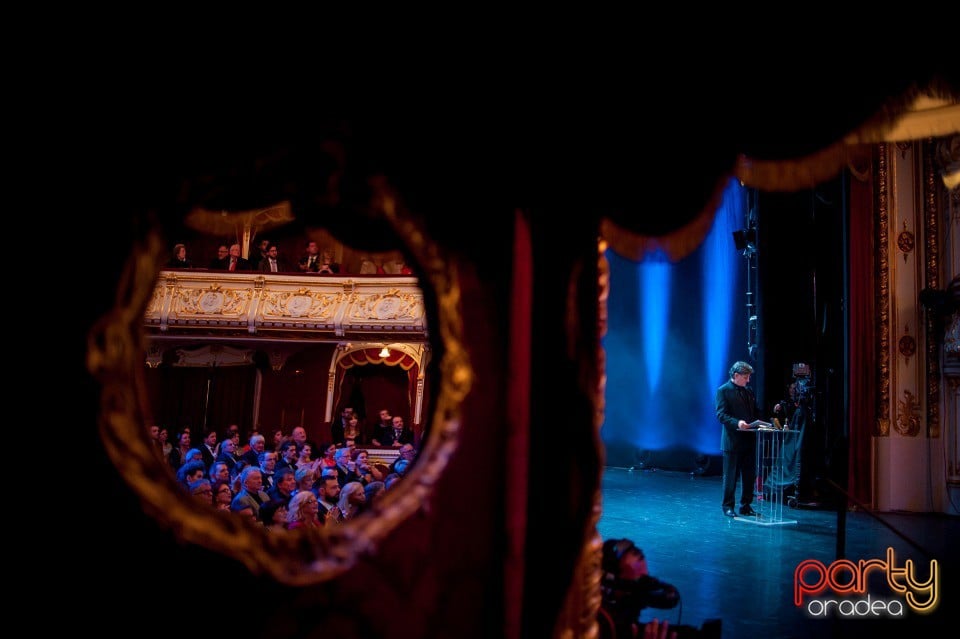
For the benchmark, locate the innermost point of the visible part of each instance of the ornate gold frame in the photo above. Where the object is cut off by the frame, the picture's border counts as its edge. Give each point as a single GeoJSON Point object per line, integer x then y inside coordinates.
{"type": "Point", "coordinates": [115, 356]}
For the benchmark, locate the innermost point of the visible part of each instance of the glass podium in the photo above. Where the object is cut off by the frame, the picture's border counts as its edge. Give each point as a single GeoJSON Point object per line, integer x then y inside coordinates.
{"type": "Point", "coordinates": [778, 457]}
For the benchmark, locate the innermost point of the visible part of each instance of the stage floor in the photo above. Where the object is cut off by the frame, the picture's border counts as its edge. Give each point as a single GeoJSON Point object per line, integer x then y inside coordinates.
{"type": "Point", "coordinates": [744, 574]}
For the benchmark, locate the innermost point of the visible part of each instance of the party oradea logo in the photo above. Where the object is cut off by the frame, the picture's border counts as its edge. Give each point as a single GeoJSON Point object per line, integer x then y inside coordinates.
{"type": "Point", "coordinates": [867, 589]}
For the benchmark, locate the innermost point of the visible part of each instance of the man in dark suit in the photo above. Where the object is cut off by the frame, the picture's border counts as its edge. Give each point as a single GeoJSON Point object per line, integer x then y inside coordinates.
{"type": "Point", "coordinates": [235, 262]}
{"type": "Point", "coordinates": [397, 435]}
{"type": "Point", "coordinates": [222, 261]}
{"type": "Point", "coordinates": [736, 409]}
{"type": "Point", "coordinates": [272, 262]}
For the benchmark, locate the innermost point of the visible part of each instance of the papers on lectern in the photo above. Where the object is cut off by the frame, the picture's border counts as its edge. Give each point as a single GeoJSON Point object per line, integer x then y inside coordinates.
{"type": "Point", "coordinates": [760, 425]}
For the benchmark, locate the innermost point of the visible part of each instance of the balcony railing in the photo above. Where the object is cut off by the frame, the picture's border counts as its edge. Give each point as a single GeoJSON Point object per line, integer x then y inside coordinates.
{"type": "Point", "coordinates": [255, 303]}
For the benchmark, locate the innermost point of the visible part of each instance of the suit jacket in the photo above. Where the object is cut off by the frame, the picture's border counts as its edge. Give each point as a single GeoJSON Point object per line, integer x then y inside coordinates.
{"type": "Point", "coordinates": [243, 264]}
{"type": "Point", "coordinates": [247, 499]}
{"type": "Point", "coordinates": [733, 404]}
{"type": "Point", "coordinates": [389, 436]}
{"type": "Point", "coordinates": [282, 266]}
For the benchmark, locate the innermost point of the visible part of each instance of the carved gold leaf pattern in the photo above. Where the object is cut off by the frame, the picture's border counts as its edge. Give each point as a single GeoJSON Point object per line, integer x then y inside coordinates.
{"type": "Point", "coordinates": [931, 235]}
{"type": "Point", "coordinates": [301, 303]}
{"type": "Point", "coordinates": [882, 295]}
{"type": "Point", "coordinates": [215, 300]}
{"type": "Point", "coordinates": [908, 415]}
{"type": "Point", "coordinates": [392, 306]}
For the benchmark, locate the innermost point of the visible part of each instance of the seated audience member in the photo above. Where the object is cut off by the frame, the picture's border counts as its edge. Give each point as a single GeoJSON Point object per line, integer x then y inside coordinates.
{"type": "Point", "coordinates": [401, 465]}
{"type": "Point", "coordinates": [351, 432]}
{"type": "Point", "coordinates": [627, 588]}
{"type": "Point", "coordinates": [273, 262]}
{"type": "Point", "coordinates": [259, 253]}
{"type": "Point", "coordinates": [202, 491]}
{"type": "Point", "coordinates": [251, 493]}
{"type": "Point", "coordinates": [397, 435]}
{"type": "Point", "coordinates": [228, 450]}
{"type": "Point", "coordinates": [222, 261]}
{"type": "Point", "coordinates": [352, 498]}
{"type": "Point", "coordinates": [327, 265]}
{"type": "Point", "coordinates": [339, 426]}
{"type": "Point", "coordinates": [190, 472]}
{"type": "Point", "coordinates": [222, 494]}
{"type": "Point", "coordinates": [390, 480]}
{"type": "Point", "coordinates": [379, 430]}
{"type": "Point", "coordinates": [273, 515]}
{"type": "Point", "coordinates": [284, 484]}
{"type": "Point", "coordinates": [302, 512]}
{"type": "Point", "coordinates": [257, 445]}
{"type": "Point", "coordinates": [235, 262]}
{"type": "Point", "coordinates": [179, 258]}
{"type": "Point", "coordinates": [328, 491]}
{"type": "Point", "coordinates": [310, 261]}
{"type": "Point", "coordinates": [219, 471]}
{"type": "Point", "coordinates": [268, 463]}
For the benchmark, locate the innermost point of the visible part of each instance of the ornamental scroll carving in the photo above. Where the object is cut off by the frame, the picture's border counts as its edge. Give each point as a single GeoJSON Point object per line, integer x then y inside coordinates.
{"type": "Point", "coordinates": [215, 300]}
{"type": "Point", "coordinates": [908, 415]}
{"type": "Point", "coordinates": [392, 305]}
{"type": "Point", "coordinates": [301, 303]}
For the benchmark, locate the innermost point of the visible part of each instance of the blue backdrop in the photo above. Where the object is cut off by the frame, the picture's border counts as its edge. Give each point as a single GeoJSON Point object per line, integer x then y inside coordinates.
{"type": "Point", "coordinates": [673, 331]}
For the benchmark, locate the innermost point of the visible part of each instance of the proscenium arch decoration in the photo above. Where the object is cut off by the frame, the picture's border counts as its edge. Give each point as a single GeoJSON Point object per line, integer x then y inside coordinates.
{"type": "Point", "coordinates": [410, 357]}
{"type": "Point", "coordinates": [115, 357]}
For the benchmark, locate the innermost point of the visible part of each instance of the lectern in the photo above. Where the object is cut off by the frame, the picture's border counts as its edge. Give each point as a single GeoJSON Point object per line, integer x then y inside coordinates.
{"type": "Point", "coordinates": [777, 452]}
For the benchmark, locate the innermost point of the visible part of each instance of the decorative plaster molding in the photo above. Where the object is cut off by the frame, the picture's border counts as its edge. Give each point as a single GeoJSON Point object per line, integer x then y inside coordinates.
{"type": "Point", "coordinates": [882, 295]}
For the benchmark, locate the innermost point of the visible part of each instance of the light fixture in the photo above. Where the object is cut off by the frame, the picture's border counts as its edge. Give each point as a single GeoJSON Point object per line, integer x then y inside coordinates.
{"type": "Point", "coordinates": [384, 352]}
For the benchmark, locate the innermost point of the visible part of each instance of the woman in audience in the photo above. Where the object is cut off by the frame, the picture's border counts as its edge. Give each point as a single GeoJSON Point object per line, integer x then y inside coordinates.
{"type": "Point", "coordinates": [302, 511]}
{"type": "Point", "coordinates": [352, 497]}
{"type": "Point", "coordinates": [304, 461]}
{"type": "Point", "coordinates": [178, 453]}
{"type": "Point", "coordinates": [273, 515]}
{"type": "Point", "coordinates": [328, 460]}
{"type": "Point", "coordinates": [164, 438]}
{"type": "Point", "coordinates": [222, 495]}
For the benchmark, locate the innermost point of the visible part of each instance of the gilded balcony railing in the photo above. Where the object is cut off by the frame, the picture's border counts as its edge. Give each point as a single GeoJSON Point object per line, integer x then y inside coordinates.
{"type": "Point", "coordinates": [275, 304]}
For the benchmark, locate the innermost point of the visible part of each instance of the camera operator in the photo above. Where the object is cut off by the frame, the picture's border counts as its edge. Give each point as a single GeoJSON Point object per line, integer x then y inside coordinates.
{"type": "Point", "coordinates": [627, 588]}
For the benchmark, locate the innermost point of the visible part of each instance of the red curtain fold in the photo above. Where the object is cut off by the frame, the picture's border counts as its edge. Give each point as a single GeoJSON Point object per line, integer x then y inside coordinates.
{"type": "Point", "coordinates": [372, 356]}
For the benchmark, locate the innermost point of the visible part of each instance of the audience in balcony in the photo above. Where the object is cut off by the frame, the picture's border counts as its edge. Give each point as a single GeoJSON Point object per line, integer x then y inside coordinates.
{"type": "Point", "coordinates": [310, 262]}
{"type": "Point", "coordinates": [273, 262]}
{"type": "Point", "coordinates": [179, 258]}
{"type": "Point", "coordinates": [259, 254]}
{"type": "Point", "coordinates": [235, 262]}
{"type": "Point", "coordinates": [222, 261]}
{"type": "Point", "coordinates": [397, 435]}
{"type": "Point", "coordinates": [378, 431]}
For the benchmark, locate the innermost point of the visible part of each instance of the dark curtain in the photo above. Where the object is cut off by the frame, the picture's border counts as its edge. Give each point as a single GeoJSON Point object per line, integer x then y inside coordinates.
{"type": "Point", "coordinates": [180, 399]}
{"type": "Point", "coordinates": [369, 388]}
{"type": "Point", "coordinates": [231, 398]}
{"type": "Point", "coordinates": [862, 348]}
{"type": "Point", "coordinates": [183, 401]}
